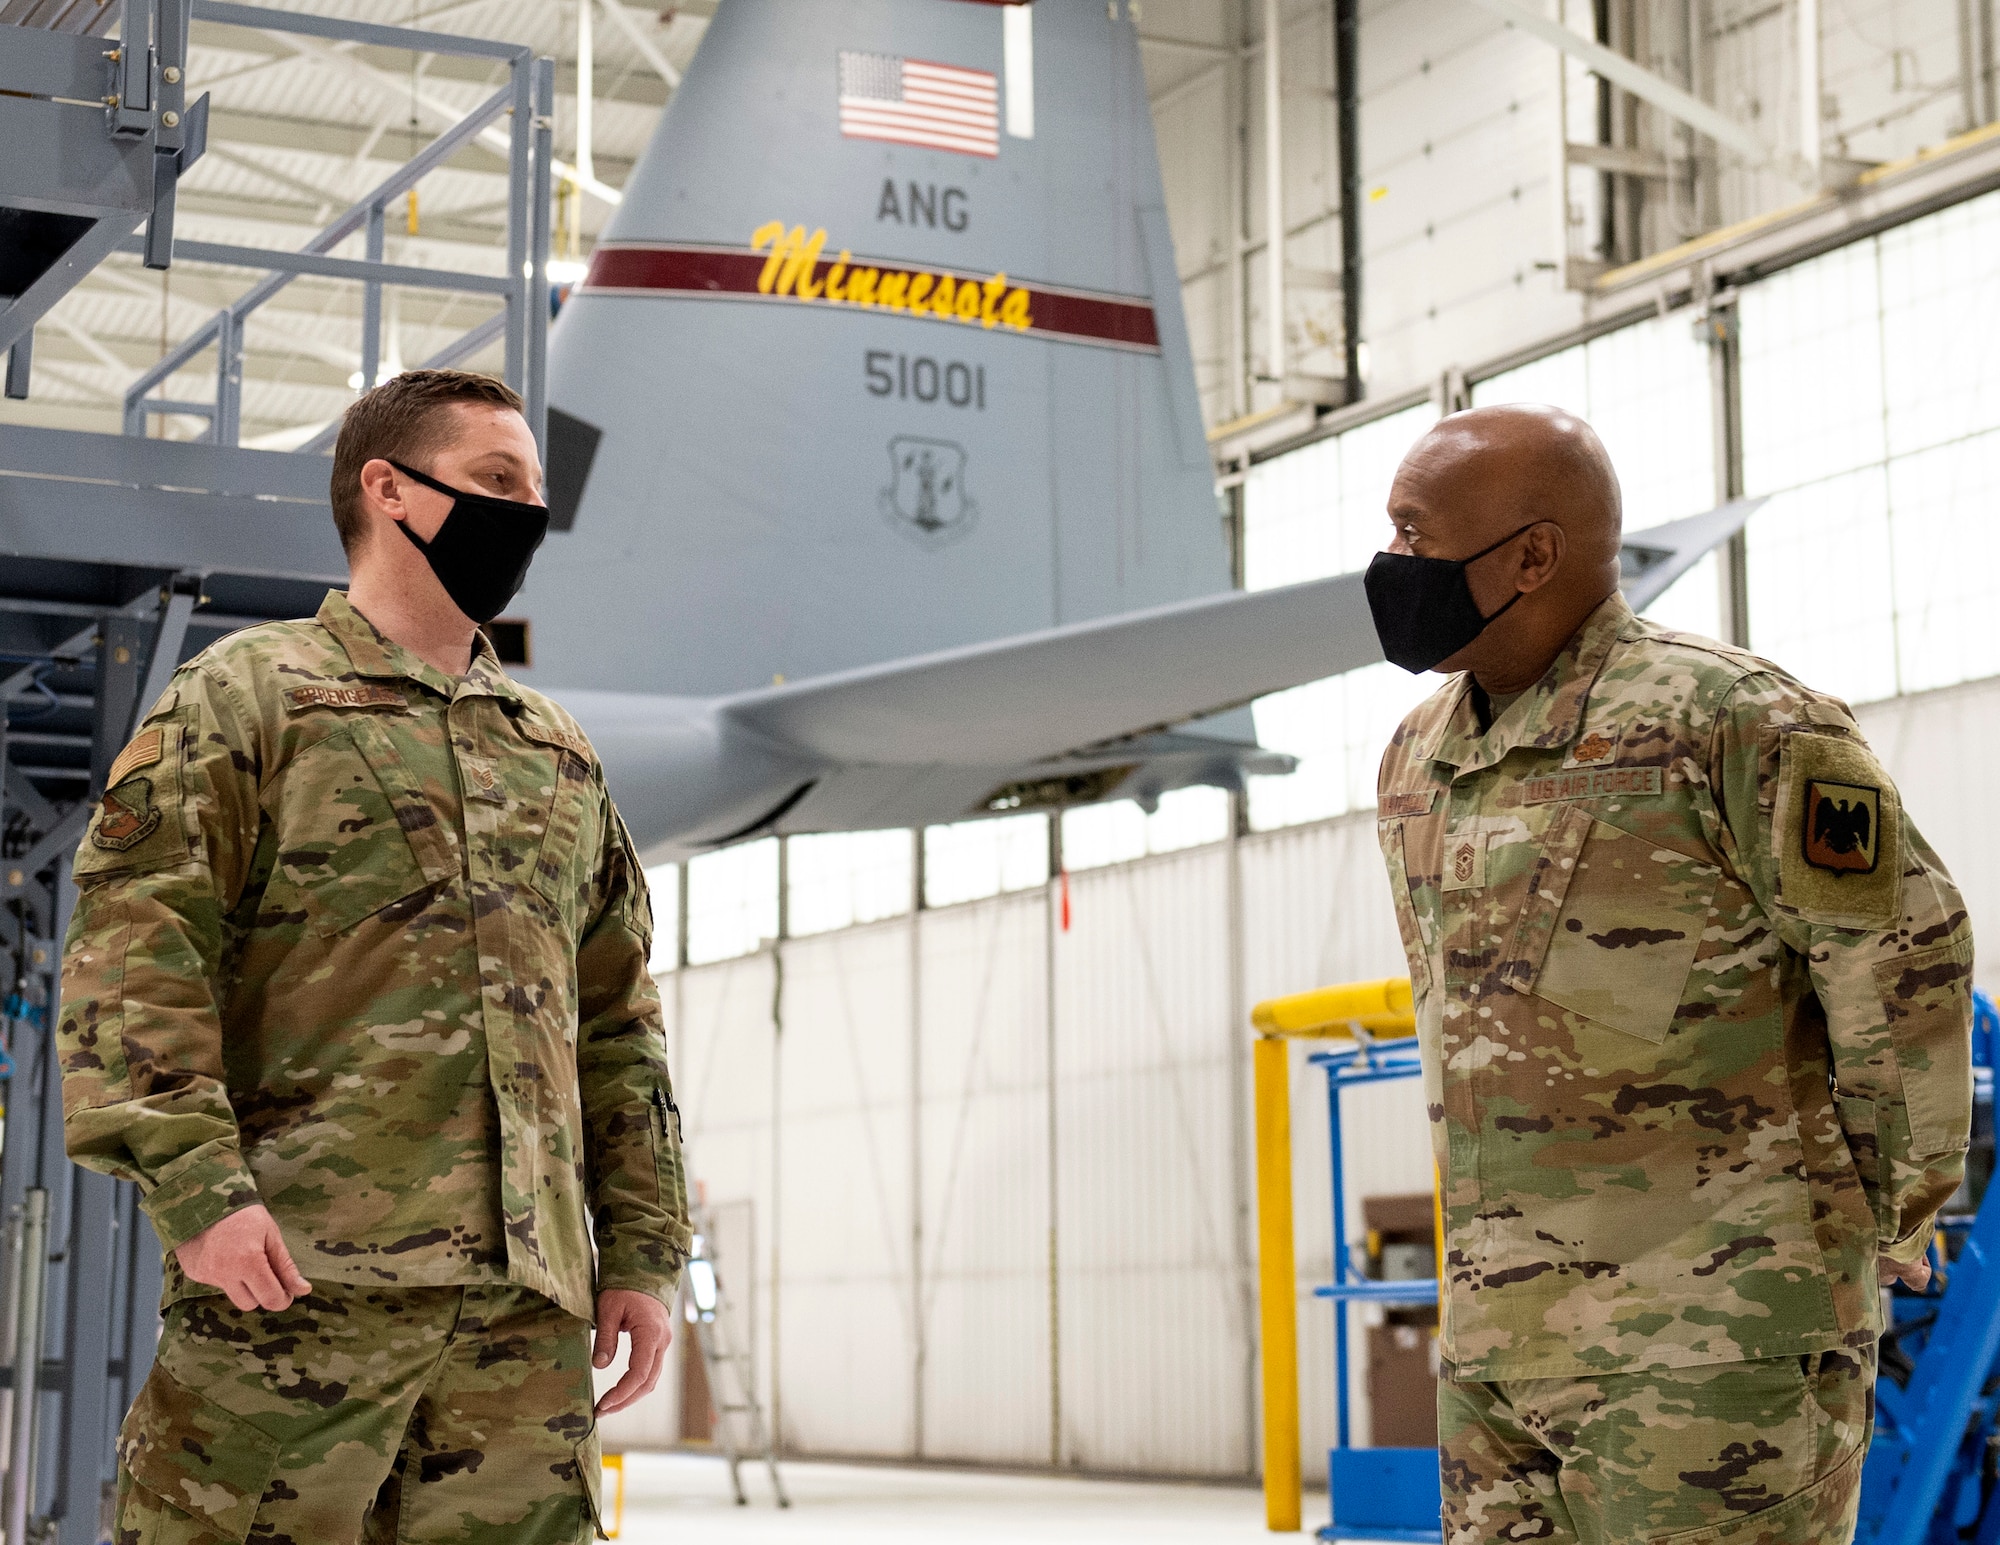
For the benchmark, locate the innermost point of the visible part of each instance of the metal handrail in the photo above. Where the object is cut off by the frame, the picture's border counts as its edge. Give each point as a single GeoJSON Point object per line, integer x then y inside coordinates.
{"type": "Point", "coordinates": [528, 97]}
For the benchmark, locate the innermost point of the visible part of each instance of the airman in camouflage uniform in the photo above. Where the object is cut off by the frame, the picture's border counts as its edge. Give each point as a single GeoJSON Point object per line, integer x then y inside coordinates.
{"type": "Point", "coordinates": [368, 945]}
{"type": "Point", "coordinates": [1694, 1002]}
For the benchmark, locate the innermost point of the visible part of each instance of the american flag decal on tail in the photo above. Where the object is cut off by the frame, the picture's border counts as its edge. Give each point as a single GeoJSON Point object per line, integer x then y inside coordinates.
{"type": "Point", "coordinates": [914, 102]}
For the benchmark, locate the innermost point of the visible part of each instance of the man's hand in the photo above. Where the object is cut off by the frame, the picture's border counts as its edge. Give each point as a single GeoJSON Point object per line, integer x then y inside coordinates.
{"type": "Point", "coordinates": [245, 1256]}
{"type": "Point", "coordinates": [1916, 1276]}
{"type": "Point", "coordinates": [651, 1327]}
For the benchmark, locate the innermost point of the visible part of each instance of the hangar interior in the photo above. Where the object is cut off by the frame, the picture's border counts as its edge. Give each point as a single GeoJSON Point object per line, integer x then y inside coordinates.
{"type": "Point", "coordinates": [968, 1107]}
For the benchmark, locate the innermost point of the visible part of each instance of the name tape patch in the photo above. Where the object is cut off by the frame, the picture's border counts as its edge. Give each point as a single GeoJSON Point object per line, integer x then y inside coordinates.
{"type": "Point", "coordinates": [144, 751]}
{"type": "Point", "coordinates": [1418, 803]}
{"type": "Point", "coordinates": [343, 697]}
{"type": "Point", "coordinates": [551, 737]}
{"type": "Point", "coordinates": [1596, 783]}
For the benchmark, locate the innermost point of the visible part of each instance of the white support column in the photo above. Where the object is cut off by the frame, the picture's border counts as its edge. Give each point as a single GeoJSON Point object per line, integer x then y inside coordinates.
{"type": "Point", "coordinates": [1809, 85]}
{"type": "Point", "coordinates": [586, 90]}
{"type": "Point", "coordinates": [1274, 192]}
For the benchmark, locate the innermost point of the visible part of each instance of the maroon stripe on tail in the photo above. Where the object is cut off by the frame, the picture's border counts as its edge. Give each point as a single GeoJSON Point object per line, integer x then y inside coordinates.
{"type": "Point", "coordinates": [720, 273]}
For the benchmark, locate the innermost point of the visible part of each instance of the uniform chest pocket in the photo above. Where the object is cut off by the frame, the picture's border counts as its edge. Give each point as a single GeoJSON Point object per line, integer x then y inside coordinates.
{"type": "Point", "coordinates": [354, 836]}
{"type": "Point", "coordinates": [1626, 936]}
{"type": "Point", "coordinates": [568, 836]}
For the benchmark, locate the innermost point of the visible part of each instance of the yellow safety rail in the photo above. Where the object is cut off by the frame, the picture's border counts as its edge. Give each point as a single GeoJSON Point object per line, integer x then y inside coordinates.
{"type": "Point", "coordinates": [1381, 1008]}
{"type": "Point", "coordinates": [615, 1526]}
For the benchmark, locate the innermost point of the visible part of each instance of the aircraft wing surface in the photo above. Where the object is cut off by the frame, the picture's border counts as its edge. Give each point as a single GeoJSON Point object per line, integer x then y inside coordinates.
{"type": "Point", "coordinates": [1048, 693]}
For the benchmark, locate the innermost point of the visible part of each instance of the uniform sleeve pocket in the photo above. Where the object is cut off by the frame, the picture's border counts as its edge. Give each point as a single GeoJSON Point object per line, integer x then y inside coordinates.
{"type": "Point", "coordinates": [1927, 1000]}
{"type": "Point", "coordinates": [1627, 933]}
{"type": "Point", "coordinates": [192, 1454]}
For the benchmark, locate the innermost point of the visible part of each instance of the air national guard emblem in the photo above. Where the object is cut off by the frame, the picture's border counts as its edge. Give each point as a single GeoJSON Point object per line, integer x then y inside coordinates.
{"type": "Point", "coordinates": [129, 816]}
{"type": "Point", "coordinates": [926, 495]}
{"type": "Point", "coordinates": [1842, 823]}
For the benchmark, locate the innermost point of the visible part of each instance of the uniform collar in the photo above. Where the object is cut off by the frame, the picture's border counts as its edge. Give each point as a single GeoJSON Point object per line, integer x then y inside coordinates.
{"type": "Point", "coordinates": [371, 654]}
{"type": "Point", "coordinates": [1548, 714]}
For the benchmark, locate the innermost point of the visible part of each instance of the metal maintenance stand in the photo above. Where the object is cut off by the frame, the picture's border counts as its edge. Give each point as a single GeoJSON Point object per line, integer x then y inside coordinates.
{"type": "Point", "coordinates": [732, 1382]}
{"type": "Point", "coordinates": [1377, 1493]}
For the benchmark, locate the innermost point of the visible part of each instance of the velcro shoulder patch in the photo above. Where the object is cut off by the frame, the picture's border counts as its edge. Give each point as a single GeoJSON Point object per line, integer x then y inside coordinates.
{"type": "Point", "coordinates": [330, 696]}
{"type": "Point", "coordinates": [548, 735]}
{"type": "Point", "coordinates": [1411, 802]}
{"type": "Point", "coordinates": [1838, 825]}
{"type": "Point", "coordinates": [144, 751]}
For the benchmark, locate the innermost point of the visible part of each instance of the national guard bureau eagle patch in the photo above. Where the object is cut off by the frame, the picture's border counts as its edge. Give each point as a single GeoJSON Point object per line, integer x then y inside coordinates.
{"type": "Point", "coordinates": [1842, 825]}
{"type": "Point", "coordinates": [1838, 828]}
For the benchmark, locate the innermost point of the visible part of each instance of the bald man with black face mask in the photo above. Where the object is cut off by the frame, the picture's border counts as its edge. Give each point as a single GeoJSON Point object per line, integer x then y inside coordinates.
{"type": "Point", "coordinates": [1694, 1001]}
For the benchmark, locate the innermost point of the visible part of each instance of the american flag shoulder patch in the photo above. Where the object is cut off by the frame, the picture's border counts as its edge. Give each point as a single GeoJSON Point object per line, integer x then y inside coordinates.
{"type": "Point", "coordinates": [916, 102]}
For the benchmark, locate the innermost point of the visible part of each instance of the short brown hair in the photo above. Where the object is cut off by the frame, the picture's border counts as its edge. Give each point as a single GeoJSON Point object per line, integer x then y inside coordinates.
{"type": "Point", "coordinates": [403, 419]}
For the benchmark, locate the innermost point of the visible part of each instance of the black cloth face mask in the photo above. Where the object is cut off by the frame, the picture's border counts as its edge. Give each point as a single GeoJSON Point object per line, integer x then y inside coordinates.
{"type": "Point", "coordinates": [482, 551]}
{"type": "Point", "coordinates": [1423, 607]}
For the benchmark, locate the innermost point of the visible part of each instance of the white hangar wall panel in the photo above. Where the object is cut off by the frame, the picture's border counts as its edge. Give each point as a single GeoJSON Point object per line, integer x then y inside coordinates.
{"type": "Point", "coordinates": [1156, 1312]}
{"type": "Point", "coordinates": [844, 1175]}
{"type": "Point", "coordinates": [983, 1163]}
{"type": "Point", "coordinates": [724, 1085]}
{"type": "Point", "coordinates": [1458, 126]}
{"type": "Point", "coordinates": [1940, 748]}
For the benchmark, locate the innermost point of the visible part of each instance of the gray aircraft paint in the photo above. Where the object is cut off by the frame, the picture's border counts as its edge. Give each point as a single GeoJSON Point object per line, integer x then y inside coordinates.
{"type": "Point", "coordinates": [755, 641]}
{"type": "Point", "coordinates": [736, 504]}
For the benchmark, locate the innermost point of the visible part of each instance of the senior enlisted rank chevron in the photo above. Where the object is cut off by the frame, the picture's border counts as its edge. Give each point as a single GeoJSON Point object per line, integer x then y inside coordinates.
{"type": "Point", "coordinates": [357, 991]}
{"type": "Point", "coordinates": [1694, 1005]}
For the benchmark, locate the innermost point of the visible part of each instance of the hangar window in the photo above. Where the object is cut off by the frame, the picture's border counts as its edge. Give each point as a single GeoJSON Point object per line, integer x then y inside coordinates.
{"type": "Point", "coordinates": [664, 885]}
{"type": "Point", "coordinates": [732, 901]}
{"type": "Point", "coordinates": [844, 878]}
{"type": "Point", "coordinates": [971, 859]}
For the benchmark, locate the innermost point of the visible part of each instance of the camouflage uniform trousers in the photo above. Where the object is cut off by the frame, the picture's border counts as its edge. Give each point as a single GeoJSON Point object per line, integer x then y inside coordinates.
{"type": "Point", "coordinates": [1750, 1453]}
{"type": "Point", "coordinates": [364, 1416]}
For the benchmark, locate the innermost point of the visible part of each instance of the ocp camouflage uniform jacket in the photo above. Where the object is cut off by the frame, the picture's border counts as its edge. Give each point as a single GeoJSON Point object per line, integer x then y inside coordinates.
{"type": "Point", "coordinates": [370, 945]}
{"type": "Point", "coordinates": [1694, 1003]}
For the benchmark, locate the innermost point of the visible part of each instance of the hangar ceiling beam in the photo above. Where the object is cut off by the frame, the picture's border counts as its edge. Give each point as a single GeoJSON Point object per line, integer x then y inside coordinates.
{"type": "Point", "coordinates": [1684, 106]}
{"type": "Point", "coordinates": [636, 36]}
{"type": "Point", "coordinates": [394, 91]}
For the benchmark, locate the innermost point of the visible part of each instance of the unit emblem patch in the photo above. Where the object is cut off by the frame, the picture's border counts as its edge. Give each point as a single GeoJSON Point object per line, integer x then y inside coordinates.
{"type": "Point", "coordinates": [129, 816]}
{"type": "Point", "coordinates": [1595, 749]}
{"type": "Point", "coordinates": [1841, 825]}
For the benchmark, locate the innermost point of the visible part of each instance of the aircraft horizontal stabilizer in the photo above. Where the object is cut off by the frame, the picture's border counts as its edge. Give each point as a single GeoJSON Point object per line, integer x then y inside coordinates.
{"type": "Point", "coordinates": [1020, 699]}
{"type": "Point", "coordinates": [1654, 558]}
{"type": "Point", "coordinates": [1045, 694]}
{"type": "Point", "coordinates": [1095, 710]}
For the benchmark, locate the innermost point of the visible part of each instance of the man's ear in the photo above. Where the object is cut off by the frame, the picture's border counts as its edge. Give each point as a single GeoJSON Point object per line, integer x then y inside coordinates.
{"type": "Point", "coordinates": [1541, 554]}
{"type": "Point", "coordinates": [380, 491]}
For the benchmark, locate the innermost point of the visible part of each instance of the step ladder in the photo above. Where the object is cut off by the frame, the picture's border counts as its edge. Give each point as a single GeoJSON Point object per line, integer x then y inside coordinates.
{"type": "Point", "coordinates": [740, 1427]}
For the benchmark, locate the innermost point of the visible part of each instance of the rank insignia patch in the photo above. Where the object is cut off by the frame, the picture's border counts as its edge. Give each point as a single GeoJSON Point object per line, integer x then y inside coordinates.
{"type": "Point", "coordinates": [128, 818]}
{"type": "Point", "coordinates": [1465, 861]}
{"type": "Point", "coordinates": [1595, 749]}
{"type": "Point", "coordinates": [1841, 825]}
